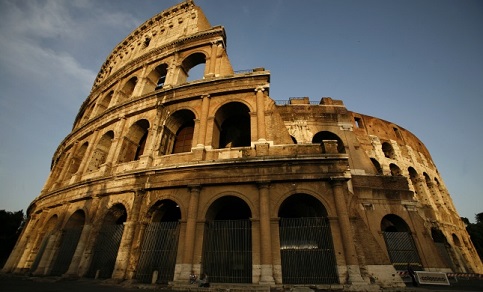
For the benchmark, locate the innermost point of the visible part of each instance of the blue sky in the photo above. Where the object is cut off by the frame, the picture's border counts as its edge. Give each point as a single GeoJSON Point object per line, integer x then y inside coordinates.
{"type": "Point", "coordinates": [418, 64]}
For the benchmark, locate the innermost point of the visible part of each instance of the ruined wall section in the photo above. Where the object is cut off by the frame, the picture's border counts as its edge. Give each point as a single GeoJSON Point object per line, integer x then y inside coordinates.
{"type": "Point", "coordinates": [170, 25]}
{"type": "Point", "coordinates": [400, 153]}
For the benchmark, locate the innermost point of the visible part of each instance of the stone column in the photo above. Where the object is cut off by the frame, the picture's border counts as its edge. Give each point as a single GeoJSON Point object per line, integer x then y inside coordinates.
{"type": "Point", "coordinates": [205, 107]}
{"type": "Point", "coordinates": [260, 113]}
{"type": "Point", "coordinates": [266, 273]}
{"type": "Point", "coordinates": [116, 146]}
{"type": "Point", "coordinates": [212, 61]}
{"type": "Point", "coordinates": [190, 235]}
{"type": "Point", "coordinates": [353, 272]}
{"type": "Point", "coordinates": [92, 238]}
{"type": "Point", "coordinates": [127, 243]}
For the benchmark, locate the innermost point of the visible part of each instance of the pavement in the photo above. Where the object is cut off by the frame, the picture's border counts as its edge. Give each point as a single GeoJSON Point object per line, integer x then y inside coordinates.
{"type": "Point", "coordinates": [16, 283]}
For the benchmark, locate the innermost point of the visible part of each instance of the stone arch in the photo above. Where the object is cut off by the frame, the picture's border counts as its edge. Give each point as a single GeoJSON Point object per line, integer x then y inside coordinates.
{"type": "Point", "coordinates": [400, 243]}
{"type": "Point", "coordinates": [321, 136]}
{"type": "Point", "coordinates": [107, 242]}
{"type": "Point", "coordinates": [456, 240]}
{"type": "Point", "coordinates": [70, 236]}
{"type": "Point", "coordinates": [377, 166]}
{"type": "Point", "coordinates": [306, 246]}
{"type": "Point", "coordinates": [232, 126]}
{"type": "Point", "coordinates": [77, 158]}
{"type": "Point", "coordinates": [227, 241]}
{"type": "Point", "coordinates": [87, 113]}
{"type": "Point", "coordinates": [99, 155]}
{"type": "Point", "coordinates": [104, 102]}
{"type": "Point", "coordinates": [388, 150]}
{"type": "Point", "coordinates": [42, 246]}
{"type": "Point", "coordinates": [159, 245]}
{"type": "Point", "coordinates": [135, 141]}
{"type": "Point", "coordinates": [128, 88]}
{"type": "Point", "coordinates": [189, 63]}
{"type": "Point", "coordinates": [395, 170]}
{"type": "Point", "coordinates": [156, 78]}
{"type": "Point", "coordinates": [178, 133]}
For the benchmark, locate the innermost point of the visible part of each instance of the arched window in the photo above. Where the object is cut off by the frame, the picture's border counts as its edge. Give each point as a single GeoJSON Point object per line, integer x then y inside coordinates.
{"type": "Point", "coordinates": [134, 142]}
{"type": "Point", "coordinates": [103, 104]}
{"type": "Point", "coordinates": [232, 126]}
{"type": "Point", "coordinates": [99, 155]}
{"type": "Point", "coordinates": [377, 165]}
{"type": "Point", "coordinates": [77, 159]}
{"type": "Point", "coordinates": [188, 64]}
{"type": "Point", "coordinates": [128, 88]}
{"type": "Point", "coordinates": [156, 79]}
{"type": "Point", "coordinates": [395, 170]}
{"type": "Point", "coordinates": [87, 113]}
{"type": "Point", "coordinates": [178, 133]}
{"type": "Point", "coordinates": [326, 135]}
{"type": "Point", "coordinates": [388, 150]}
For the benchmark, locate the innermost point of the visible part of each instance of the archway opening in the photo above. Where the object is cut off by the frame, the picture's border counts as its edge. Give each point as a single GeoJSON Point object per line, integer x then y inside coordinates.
{"type": "Point", "coordinates": [107, 243]}
{"type": "Point", "coordinates": [192, 68]}
{"type": "Point", "coordinates": [227, 241]}
{"type": "Point", "coordinates": [159, 246]}
{"type": "Point", "coordinates": [326, 135]}
{"type": "Point", "coordinates": [46, 235]}
{"type": "Point", "coordinates": [178, 133]}
{"type": "Point", "coordinates": [400, 243]}
{"type": "Point", "coordinates": [306, 246]}
{"type": "Point", "coordinates": [232, 126]}
{"type": "Point", "coordinates": [68, 243]}
{"type": "Point", "coordinates": [135, 141]}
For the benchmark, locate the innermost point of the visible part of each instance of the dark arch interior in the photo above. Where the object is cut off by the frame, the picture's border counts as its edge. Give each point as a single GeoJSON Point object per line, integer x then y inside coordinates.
{"type": "Point", "coordinates": [76, 220]}
{"type": "Point", "coordinates": [228, 208]}
{"type": "Point", "coordinates": [393, 223]}
{"type": "Point", "coordinates": [116, 215]}
{"type": "Point", "coordinates": [326, 135]}
{"type": "Point", "coordinates": [302, 205]}
{"type": "Point", "coordinates": [234, 122]}
{"type": "Point", "coordinates": [165, 211]}
{"type": "Point", "coordinates": [438, 235]}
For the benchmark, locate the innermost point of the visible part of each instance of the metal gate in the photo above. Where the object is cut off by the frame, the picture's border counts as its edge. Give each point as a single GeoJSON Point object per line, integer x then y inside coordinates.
{"type": "Point", "coordinates": [68, 244]}
{"type": "Point", "coordinates": [105, 251]}
{"type": "Point", "coordinates": [402, 250]}
{"type": "Point", "coordinates": [227, 251]}
{"type": "Point", "coordinates": [307, 251]}
{"type": "Point", "coordinates": [158, 252]}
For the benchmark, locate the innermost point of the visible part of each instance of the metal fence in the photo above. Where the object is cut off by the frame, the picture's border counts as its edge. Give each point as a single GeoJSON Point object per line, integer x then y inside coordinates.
{"type": "Point", "coordinates": [307, 251]}
{"type": "Point", "coordinates": [158, 252]}
{"type": "Point", "coordinates": [105, 251]}
{"type": "Point", "coordinates": [402, 250]}
{"type": "Point", "coordinates": [227, 251]}
{"type": "Point", "coordinates": [68, 244]}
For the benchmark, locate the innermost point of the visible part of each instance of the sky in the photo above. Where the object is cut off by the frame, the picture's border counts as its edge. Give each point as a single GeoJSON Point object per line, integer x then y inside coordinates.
{"type": "Point", "coordinates": [418, 64]}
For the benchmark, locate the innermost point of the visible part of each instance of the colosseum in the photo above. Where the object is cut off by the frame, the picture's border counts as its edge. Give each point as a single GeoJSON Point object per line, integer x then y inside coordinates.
{"type": "Point", "coordinates": [163, 176]}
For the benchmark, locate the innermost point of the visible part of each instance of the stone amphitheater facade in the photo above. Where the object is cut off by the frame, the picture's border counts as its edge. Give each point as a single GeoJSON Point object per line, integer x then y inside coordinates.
{"type": "Point", "coordinates": [163, 176]}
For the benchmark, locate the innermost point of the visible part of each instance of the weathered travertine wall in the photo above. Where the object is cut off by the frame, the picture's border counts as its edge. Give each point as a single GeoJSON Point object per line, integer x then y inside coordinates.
{"type": "Point", "coordinates": [156, 162]}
